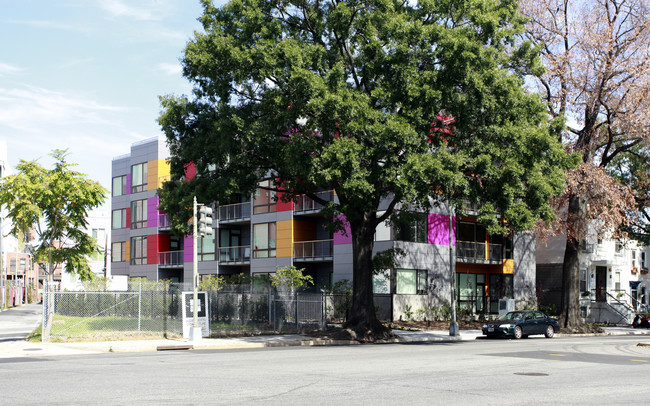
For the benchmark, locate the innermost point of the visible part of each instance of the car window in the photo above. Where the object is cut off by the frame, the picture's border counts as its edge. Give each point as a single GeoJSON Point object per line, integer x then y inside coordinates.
{"type": "Point", "coordinates": [511, 316]}
{"type": "Point", "coordinates": [529, 316]}
{"type": "Point", "coordinates": [539, 315]}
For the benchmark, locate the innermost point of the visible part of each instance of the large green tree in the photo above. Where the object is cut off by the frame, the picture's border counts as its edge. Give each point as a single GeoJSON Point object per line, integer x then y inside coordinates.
{"type": "Point", "coordinates": [54, 204]}
{"type": "Point", "coordinates": [379, 100]}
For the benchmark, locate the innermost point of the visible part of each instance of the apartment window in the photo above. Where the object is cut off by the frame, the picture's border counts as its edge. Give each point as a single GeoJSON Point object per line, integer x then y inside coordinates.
{"type": "Point", "coordinates": [643, 260]}
{"type": "Point", "coordinates": [23, 264]}
{"type": "Point", "coordinates": [617, 281]}
{"type": "Point", "coordinates": [139, 174]}
{"type": "Point", "coordinates": [119, 219]}
{"type": "Point", "coordinates": [139, 250]}
{"type": "Point", "coordinates": [382, 232]}
{"type": "Point", "coordinates": [264, 240]}
{"type": "Point", "coordinates": [381, 282]}
{"type": "Point", "coordinates": [264, 200]}
{"type": "Point", "coordinates": [99, 234]}
{"type": "Point", "coordinates": [412, 227]}
{"type": "Point", "coordinates": [206, 248]}
{"type": "Point", "coordinates": [410, 281]}
{"type": "Point", "coordinates": [583, 280]}
{"type": "Point", "coordinates": [12, 265]}
{"type": "Point", "coordinates": [138, 214]}
{"type": "Point", "coordinates": [119, 185]}
{"type": "Point", "coordinates": [118, 251]}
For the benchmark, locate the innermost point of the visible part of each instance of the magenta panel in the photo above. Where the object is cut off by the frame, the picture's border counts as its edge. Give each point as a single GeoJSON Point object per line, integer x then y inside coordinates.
{"type": "Point", "coordinates": [188, 249]}
{"type": "Point", "coordinates": [339, 236]}
{"type": "Point", "coordinates": [439, 229]}
{"type": "Point", "coordinates": [152, 211]}
{"type": "Point", "coordinates": [128, 183]}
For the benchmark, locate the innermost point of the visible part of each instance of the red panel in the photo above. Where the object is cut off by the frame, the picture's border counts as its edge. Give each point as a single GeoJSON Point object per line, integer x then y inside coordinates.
{"type": "Point", "coordinates": [282, 206]}
{"type": "Point", "coordinates": [190, 171]}
{"type": "Point", "coordinates": [152, 249]}
{"type": "Point", "coordinates": [128, 217]}
{"type": "Point", "coordinates": [163, 243]}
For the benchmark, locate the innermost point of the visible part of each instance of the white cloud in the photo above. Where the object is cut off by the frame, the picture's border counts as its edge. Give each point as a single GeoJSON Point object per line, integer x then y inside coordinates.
{"type": "Point", "coordinates": [6, 69]}
{"type": "Point", "coordinates": [150, 11]}
{"type": "Point", "coordinates": [170, 69]}
{"type": "Point", "coordinates": [31, 109]}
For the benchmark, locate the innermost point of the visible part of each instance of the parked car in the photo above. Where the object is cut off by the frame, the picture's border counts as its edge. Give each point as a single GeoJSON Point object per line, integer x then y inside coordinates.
{"type": "Point", "coordinates": [522, 323]}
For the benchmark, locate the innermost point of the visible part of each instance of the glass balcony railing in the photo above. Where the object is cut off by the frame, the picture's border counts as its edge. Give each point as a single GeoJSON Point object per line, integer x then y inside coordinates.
{"type": "Point", "coordinates": [170, 258]}
{"type": "Point", "coordinates": [305, 203]}
{"type": "Point", "coordinates": [235, 254]}
{"type": "Point", "coordinates": [233, 212]}
{"type": "Point", "coordinates": [163, 221]}
{"type": "Point", "coordinates": [313, 249]}
{"type": "Point", "coordinates": [467, 251]}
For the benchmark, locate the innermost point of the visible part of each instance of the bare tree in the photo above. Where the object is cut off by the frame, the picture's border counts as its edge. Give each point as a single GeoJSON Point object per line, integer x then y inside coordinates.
{"type": "Point", "coordinates": [596, 57]}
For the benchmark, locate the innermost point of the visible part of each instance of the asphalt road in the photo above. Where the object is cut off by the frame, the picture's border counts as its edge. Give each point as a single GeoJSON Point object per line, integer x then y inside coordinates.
{"type": "Point", "coordinates": [533, 371]}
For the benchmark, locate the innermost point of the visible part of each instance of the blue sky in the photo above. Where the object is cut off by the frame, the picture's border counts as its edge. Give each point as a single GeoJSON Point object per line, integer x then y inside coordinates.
{"type": "Point", "coordinates": [86, 75]}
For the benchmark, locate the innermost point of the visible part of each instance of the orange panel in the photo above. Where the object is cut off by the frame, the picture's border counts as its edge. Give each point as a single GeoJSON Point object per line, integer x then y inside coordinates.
{"type": "Point", "coordinates": [284, 238]}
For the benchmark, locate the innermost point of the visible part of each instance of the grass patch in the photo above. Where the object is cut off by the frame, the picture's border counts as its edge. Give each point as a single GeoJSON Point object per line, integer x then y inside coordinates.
{"type": "Point", "coordinates": [68, 328]}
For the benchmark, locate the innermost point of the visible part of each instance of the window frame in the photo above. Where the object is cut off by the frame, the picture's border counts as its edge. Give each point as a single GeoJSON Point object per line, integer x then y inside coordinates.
{"type": "Point", "coordinates": [139, 214]}
{"type": "Point", "coordinates": [420, 277]}
{"type": "Point", "coordinates": [141, 243]}
{"type": "Point", "coordinates": [121, 250]}
{"type": "Point", "coordinates": [269, 203]}
{"type": "Point", "coordinates": [144, 174]}
{"type": "Point", "coordinates": [413, 229]}
{"type": "Point", "coordinates": [122, 219]}
{"type": "Point", "coordinates": [270, 250]}
{"type": "Point", "coordinates": [122, 186]}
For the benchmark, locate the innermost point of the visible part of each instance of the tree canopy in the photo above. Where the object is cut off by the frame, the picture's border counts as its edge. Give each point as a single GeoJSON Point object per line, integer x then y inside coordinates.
{"type": "Point", "coordinates": [379, 100]}
{"type": "Point", "coordinates": [596, 78]}
{"type": "Point", "coordinates": [53, 203]}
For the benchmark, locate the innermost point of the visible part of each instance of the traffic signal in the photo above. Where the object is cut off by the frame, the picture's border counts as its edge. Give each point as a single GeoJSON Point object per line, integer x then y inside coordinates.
{"type": "Point", "coordinates": [205, 220]}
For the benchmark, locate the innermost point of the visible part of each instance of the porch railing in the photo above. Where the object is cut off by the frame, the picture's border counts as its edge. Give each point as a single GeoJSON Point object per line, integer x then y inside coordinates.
{"type": "Point", "coordinates": [467, 251]}
{"type": "Point", "coordinates": [313, 249]}
{"type": "Point", "coordinates": [235, 254]}
{"type": "Point", "coordinates": [170, 258]}
{"type": "Point", "coordinates": [236, 211]}
{"type": "Point", "coordinates": [305, 203]}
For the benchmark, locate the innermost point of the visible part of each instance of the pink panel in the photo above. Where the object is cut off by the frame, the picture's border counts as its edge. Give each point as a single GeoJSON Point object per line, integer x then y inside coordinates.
{"type": "Point", "coordinates": [188, 248]}
{"type": "Point", "coordinates": [439, 229]}
{"type": "Point", "coordinates": [339, 237]}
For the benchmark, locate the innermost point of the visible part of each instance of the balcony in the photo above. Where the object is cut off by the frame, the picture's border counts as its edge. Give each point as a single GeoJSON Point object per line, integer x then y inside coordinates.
{"type": "Point", "coordinates": [320, 250]}
{"type": "Point", "coordinates": [477, 253]}
{"type": "Point", "coordinates": [235, 255]}
{"type": "Point", "coordinates": [163, 222]}
{"type": "Point", "coordinates": [305, 204]}
{"type": "Point", "coordinates": [235, 212]}
{"type": "Point", "coordinates": [170, 259]}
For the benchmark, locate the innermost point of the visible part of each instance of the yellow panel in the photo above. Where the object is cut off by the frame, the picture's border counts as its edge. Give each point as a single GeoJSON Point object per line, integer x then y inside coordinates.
{"type": "Point", "coordinates": [128, 251]}
{"type": "Point", "coordinates": [284, 238]}
{"type": "Point", "coordinates": [508, 266]}
{"type": "Point", "coordinates": [164, 172]}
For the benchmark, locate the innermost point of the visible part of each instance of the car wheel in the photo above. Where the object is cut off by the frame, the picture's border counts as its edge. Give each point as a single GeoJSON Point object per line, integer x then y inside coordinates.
{"type": "Point", "coordinates": [550, 332]}
{"type": "Point", "coordinates": [518, 333]}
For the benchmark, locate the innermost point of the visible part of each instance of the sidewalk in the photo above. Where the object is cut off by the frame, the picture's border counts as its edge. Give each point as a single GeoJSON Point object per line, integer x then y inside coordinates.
{"type": "Point", "coordinates": [19, 322]}
{"type": "Point", "coordinates": [19, 349]}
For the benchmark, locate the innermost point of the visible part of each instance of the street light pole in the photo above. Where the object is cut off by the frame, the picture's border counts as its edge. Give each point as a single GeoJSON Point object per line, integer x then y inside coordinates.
{"type": "Point", "coordinates": [453, 326]}
{"type": "Point", "coordinates": [195, 332]}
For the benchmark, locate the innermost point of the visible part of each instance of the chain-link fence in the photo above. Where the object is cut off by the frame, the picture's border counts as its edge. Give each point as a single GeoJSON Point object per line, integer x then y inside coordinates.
{"type": "Point", "coordinates": [156, 311]}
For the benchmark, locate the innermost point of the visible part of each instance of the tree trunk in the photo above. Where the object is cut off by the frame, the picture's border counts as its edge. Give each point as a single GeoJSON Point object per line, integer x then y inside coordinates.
{"type": "Point", "coordinates": [570, 305]}
{"type": "Point", "coordinates": [362, 319]}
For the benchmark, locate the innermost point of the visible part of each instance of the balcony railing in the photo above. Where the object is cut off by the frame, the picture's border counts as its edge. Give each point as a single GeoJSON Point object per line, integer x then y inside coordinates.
{"type": "Point", "coordinates": [235, 254]}
{"type": "Point", "coordinates": [163, 221]}
{"type": "Point", "coordinates": [170, 258]}
{"type": "Point", "coordinates": [234, 212]}
{"type": "Point", "coordinates": [305, 203]}
{"type": "Point", "coordinates": [320, 249]}
{"type": "Point", "coordinates": [475, 252]}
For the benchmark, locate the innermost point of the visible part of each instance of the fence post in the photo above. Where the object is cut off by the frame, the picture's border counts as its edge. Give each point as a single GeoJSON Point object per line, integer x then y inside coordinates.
{"type": "Point", "coordinates": [43, 324]}
{"type": "Point", "coordinates": [139, 305]}
{"type": "Point", "coordinates": [296, 296]}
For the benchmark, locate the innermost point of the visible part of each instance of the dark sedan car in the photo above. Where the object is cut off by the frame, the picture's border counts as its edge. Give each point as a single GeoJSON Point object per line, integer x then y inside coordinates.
{"type": "Point", "coordinates": [522, 324]}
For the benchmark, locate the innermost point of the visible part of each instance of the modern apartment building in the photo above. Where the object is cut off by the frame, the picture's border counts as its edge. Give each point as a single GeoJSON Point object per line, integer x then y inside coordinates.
{"type": "Point", "coordinates": [253, 235]}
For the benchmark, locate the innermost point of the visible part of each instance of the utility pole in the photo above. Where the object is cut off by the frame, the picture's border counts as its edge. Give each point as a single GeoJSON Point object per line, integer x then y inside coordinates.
{"type": "Point", "coordinates": [195, 332]}
{"type": "Point", "coordinates": [453, 326]}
